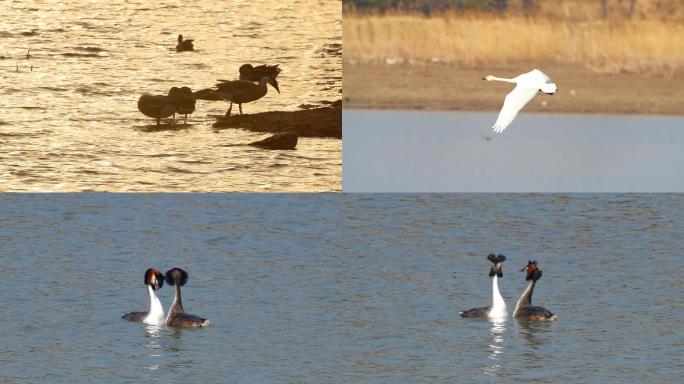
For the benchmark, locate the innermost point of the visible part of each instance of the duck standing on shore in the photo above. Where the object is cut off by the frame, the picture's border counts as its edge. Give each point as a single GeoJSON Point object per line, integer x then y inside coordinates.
{"type": "Point", "coordinates": [178, 100]}
{"type": "Point", "coordinates": [237, 91]}
{"type": "Point", "coordinates": [185, 102]}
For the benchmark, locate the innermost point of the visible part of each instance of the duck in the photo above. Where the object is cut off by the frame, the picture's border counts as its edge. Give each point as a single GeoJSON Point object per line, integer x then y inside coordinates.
{"type": "Point", "coordinates": [178, 100]}
{"type": "Point", "coordinates": [237, 91]}
{"type": "Point", "coordinates": [184, 45]}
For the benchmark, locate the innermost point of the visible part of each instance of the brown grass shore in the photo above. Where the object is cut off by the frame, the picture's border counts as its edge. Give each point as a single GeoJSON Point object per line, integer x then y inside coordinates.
{"type": "Point", "coordinates": [453, 87]}
{"type": "Point", "coordinates": [606, 65]}
{"type": "Point", "coordinates": [317, 122]}
{"type": "Point", "coordinates": [651, 47]}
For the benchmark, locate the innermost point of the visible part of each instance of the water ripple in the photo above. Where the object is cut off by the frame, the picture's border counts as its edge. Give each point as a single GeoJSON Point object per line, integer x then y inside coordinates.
{"type": "Point", "coordinates": [89, 63]}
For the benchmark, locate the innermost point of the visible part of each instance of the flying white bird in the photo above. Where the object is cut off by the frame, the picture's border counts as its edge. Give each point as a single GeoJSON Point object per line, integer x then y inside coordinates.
{"type": "Point", "coordinates": [526, 87]}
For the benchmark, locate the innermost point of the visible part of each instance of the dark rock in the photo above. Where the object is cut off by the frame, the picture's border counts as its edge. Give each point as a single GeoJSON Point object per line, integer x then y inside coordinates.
{"type": "Point", "coordinates": [282, 140]}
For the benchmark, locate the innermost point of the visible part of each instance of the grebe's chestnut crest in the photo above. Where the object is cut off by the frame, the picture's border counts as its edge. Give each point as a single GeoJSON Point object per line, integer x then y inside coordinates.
{"type": "Point", "coordinates": [154, 278]}
{"type": "Point", "coordinates": [533, 271]}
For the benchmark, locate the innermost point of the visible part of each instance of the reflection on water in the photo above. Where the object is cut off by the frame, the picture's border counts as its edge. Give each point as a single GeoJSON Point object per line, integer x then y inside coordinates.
{"type": "Point", "coordinates": [535, 333]}
{"type": "Point", "coordinates": [416, 151]}
{"type": "Point", "coordinates": [72, 123]}
{"type": "Point", "coordinates": [341, 288]}
{"type": "Point", "coordinates": [496, 347]}
{"type": "Point", "coordinates": [152, 331]}
{"type": "Point", "coordinates": [263, 267]}
{"type": "Point", "coordinates": [419, 259]}
{"type": "Point", "coordinates": [152, 342]}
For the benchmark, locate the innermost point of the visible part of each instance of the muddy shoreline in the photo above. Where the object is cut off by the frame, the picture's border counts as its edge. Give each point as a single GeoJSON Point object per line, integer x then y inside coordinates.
{"type": "Point", "coordinates": [450, 87]}
{"type": "Point", "coordinates": [316, 122]}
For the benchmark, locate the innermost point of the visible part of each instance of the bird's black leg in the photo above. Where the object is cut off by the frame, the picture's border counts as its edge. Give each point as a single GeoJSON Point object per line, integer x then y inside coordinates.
{"type": "Point", "coordinates": [229, 109]}
{"type": "Point", "coordinates": [185, 119]}
{"type": "Point", "coordinates": [240, 105]}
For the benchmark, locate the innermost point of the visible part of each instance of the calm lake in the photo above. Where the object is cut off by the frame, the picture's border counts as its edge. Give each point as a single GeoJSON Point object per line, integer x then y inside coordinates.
{"type": "Point", "coordinates": [73, 124]}
{"type": "Point", "coordinates": [332, 288]}
{"type": "Point", "coordinates": [418, 151]}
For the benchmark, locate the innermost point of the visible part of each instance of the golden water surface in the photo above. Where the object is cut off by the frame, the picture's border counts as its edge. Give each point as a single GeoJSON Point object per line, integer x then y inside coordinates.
{"type": "Point", "coordinates": [71, 122]}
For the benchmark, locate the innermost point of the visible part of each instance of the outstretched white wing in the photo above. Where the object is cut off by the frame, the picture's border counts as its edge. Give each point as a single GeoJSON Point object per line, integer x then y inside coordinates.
{"type": "Point", "coordinates": [514, 102]}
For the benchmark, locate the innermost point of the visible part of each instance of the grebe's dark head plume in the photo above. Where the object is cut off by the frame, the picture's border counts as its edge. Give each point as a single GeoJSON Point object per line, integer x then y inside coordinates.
{"type": "Point", "coordinates": [533, 271]}
{"type": "Point", "coordinates": [496, 260]}
{"type": "Point", "coordinates": [176, 275]}
{"type": "Point", "coordinates": [180, 38]}
{"type": "Point", "coordinates": [154, 278]}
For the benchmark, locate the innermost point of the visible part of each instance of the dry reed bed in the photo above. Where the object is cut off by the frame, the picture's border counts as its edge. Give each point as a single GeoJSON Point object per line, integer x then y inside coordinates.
{"type": "Point", "coordinates": [608, 46]}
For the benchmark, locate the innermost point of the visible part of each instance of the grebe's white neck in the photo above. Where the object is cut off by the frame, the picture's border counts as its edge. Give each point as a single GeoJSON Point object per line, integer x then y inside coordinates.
{"type": "Point", "coordinates": [155, 316]}
{"type": "Point", "coordinates": [498, 309]}
{"type": "Point", "coordinates": [525, 299]}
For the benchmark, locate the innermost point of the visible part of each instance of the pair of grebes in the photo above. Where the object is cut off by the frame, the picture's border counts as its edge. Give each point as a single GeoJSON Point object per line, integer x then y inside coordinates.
{"type": "Point", "coordinates": [251, 86]}
{"type": "Point", "coordinates": [524, 309]}
{"type": "Point", "coordinates": [177, 317]}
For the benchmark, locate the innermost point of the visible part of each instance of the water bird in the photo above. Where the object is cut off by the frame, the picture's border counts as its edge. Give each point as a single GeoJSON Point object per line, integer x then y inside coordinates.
{"type": "Point", "coordinates": [237, 91]}
{"type": "Point", "coordinates": [154, 280]}
{"type": "Point", "coordinates": [184, 45]}
{"type": "Point", "coordinates": [185, 102]}
{"type": "Point", "coordinates": [524, 308]}
{"type": "Point", "coordinates": [177, 317]}
{"type": "Point", "coordinates": [255, 74]}
{"type": "Point", "coordinates": [498, 308]}
{"type": "Point", "coordinates": [178, 100]}
{"type": "Point", "coordinates": [527, 86]}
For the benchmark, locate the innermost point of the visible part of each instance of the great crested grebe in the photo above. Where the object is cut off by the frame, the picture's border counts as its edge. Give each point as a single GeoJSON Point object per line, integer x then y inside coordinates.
{"type": "Point", "coordinates": [498, 308]}
{"type": "Point", "coordinates": [155, 316]}
{"type": "Point", "coordinates": [524, 308]}
{"type": "Point", "coordinates": [177, 316]}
